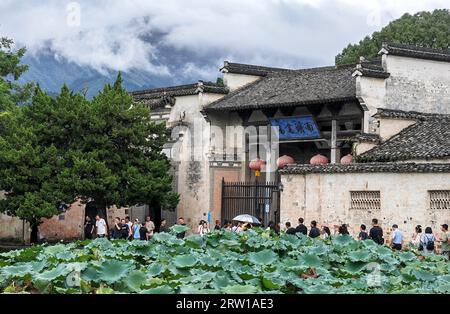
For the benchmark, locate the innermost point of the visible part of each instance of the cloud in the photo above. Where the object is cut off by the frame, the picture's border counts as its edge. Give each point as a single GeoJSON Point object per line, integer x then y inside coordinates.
{"type": "Point", "coordinates": [141, 34]}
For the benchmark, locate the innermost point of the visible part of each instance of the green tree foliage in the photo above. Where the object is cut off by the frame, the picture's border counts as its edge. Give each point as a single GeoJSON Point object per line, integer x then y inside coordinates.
{"type": "Point", "coordinates": [10, 70]}
{"type": "Point", "coordinates": [426, 29]}
{"type": "Point", "coordinates": [66, 148]}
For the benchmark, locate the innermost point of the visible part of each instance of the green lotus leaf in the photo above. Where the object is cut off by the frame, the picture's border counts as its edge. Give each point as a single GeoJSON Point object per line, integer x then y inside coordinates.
{"type": "Point", "coordinates": [90, 274]}
{"type": "Point", "coordinates": [16, 271]}
{"type": "Point", "coordinates": [355, 267]}
{"type": "Point", "coordinates": [155, 269]}
{"type": "Point", "coordinates": [407, 256]}
{"type": "Point", "coordinates": [112, 271]}
{"type": "Point", "coordinates": [359, 256]}
{"type": "Point", "coordinates": [423, 275]}
{"type": "Point", "coordinates": [185, 261]}
{"type": "Point", "coordinates": [104, 290]}
{"type": "Point", "coordinates": [239, 289]}
{"type": "Point", "coordinates": [58, 271]}
{"type": "Point", "coordinates": [135, 279]}
{"type": "Point", "coordinates": [178, 228]}
{"type": "Point", "coordinates": [195, 241]}
{"type": "Point", "coordinates": [342, 239]}
{"type": "Point", "coordinates": [158, 290]}
{"type": "Point", "coordinates": [310, 260]}
{"type": "Point", "coordinates": [318, 289]}
{"type": "Point", "coordinates": [264, 257]}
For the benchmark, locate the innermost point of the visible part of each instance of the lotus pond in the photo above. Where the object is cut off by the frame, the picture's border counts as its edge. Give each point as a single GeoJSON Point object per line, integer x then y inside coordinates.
{"type": "Point", "coordinates": [222, 262]}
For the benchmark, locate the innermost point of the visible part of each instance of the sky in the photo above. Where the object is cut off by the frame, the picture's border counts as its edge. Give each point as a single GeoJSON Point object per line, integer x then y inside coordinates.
{"type": "Point", "coordinates": [198, 35]}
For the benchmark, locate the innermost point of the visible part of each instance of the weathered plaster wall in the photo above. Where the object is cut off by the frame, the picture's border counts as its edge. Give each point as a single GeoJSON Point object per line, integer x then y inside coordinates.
{"type": "Point", "coordinates": [391, 127]}
{"type": "Point", "coordinates": [326, 198]}
{"type": "Point", "coordinates": [416, 84]}
{"type": "Point", "coordinates": [13, 229]}
{"type": "Point", "coordinates": [235, 81]}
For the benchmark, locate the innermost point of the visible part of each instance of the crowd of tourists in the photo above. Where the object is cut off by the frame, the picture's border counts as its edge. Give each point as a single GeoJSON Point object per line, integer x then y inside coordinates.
{"type": "Point", "coordinates": [424, 240]}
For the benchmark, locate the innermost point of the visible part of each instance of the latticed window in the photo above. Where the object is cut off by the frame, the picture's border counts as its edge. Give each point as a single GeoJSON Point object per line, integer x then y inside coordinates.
{"type": "Point", "coordinates": [440, 199]}
{"type": "Point", "coordinates": [366, 200]}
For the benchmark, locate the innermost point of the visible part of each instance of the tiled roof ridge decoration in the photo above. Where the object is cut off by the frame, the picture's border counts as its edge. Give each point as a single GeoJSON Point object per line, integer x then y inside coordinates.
{"type": "Point", "coordinates": [258, 70]}
{"type": "Point", "coordinates": [428, 138]}
{"type": "Point", "coordinates": [371, 68]}
{"type": "Point", "coordinates": [413, 115]}
{"type": "Point", "coordinates": [375, 167]}
{"type": "Point", "coordinates": [249, 69]}
{"type": "Point", "coordinates": [181, 90]}
{"type": "Point", "coordinates": [412, 51]}
{"type": "Point", "coordinates": [368, 137]}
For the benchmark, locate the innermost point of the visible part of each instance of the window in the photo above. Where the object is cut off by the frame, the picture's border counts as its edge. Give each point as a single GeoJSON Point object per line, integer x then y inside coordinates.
{"type": "Point", "coordinates": [439, 199]}
{"type": "Point", "coordinates": [366, 200]}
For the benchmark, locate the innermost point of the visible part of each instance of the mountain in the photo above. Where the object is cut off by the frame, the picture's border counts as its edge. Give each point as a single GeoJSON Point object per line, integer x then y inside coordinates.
{"type": "Point", "coordinates": [51, 72]}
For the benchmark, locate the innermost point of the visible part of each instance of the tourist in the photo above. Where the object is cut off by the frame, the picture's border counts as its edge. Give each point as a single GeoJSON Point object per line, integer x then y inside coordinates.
{"type": "Point", "coordinates": [445, 241]}
{"type": "Point", "coordinates": [143, 232]}
{"type": "Point", "coordinates": [362, 233]}
{"type": "Point", "coordinates": [246, 226]}
{"type": "Point", "coordinates": [163, 226]}
{"type": "Point", "coordinates": [376, 233]}
{"type": "Point", "coordinates": [124, 230]}
{"type": "Point", "coordinates": [397, 238]}
{"type": "Point", "coordinates": [88, 228]}
{"type": "Point", "coordinates": [136, 229]}
{"type": "Point", "coordinates": [100, 224]}
{"type": "Point", "coordinates": [217, 226]}
{"type": "Point", "coordinates": [301, 228]}
{"type": "Point", "coordinates": [182, 234]}
{"type": "Point", "coordinates": [314, 232]}
{"type": "Point", "coordinates": [325, 232]}
{"type": "Point", "coordinates": [203, 228]}
{"type": "Point", "coordinates": [236, 227]}
{"type": "Point", "coordinates": [290, 229]}
{"type": "Point", "coordinates": [273, 227]}
{"type": "Point", "coordinates": [343, 230]}
{"type": "Point", "coordinates": [427, 241]}
{"type": "Point", "coordinates": [417, 236]}
{"type": "Point", "coordinates": [115, 232]}
{"type": "Point", "coordinates": [228, 226]}
{"type": "Point", "coordinates": [130, 227]}
{"type": "Point", "coordinates": [150, 227]}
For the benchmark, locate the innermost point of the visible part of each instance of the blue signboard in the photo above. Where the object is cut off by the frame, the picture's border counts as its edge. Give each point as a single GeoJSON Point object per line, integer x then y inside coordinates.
{"type": "Point", "coordinates": [296, 127]}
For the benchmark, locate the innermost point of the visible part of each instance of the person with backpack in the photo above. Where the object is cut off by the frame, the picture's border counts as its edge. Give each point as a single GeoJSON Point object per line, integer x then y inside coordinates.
{"type": "Point", "coordinates": [363, 233]}
{"type": "Point", "coordinates": [427, 241]}
{"type": "Point", "coordinates": [376, 233]}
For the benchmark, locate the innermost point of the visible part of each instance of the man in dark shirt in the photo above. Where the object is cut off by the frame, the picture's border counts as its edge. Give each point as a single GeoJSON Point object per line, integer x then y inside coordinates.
{"type": "Point", "coordinates": [289, 229]}
{"type": "Point", "coordinates": [181, 234]}
{"type": "Point", "coordinates": [363, 233]}
{"type": "Point", "coordinates": [376, 233]}
{"type": "Point", "coordinates": [301, 228]}
{"type": "Point", "coordinates": [143, 232]}
{"type": "Point", "coordinates": [314, 232]}
{"type": "Point", "coordinates": [124, 229]}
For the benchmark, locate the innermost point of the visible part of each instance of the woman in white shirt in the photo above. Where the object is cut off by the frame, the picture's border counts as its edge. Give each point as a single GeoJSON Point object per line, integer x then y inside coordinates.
{"type": "Point", "coordinates": [203, 228]}
{"type": "Point", "coordinates": [417, 236]}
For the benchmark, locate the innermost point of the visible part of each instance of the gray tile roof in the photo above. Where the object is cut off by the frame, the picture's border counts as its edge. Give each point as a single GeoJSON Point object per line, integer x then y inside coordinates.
{"type": "Point", "coordinates": [372, 68]}
{"type": "Point", "coordinates": [367, 168]}
{"type": "Point", "coordinates": [408, 115]}
{"type": "Point", "coordinates": [249, 69]}
{"type": "Point", "coordinates": [181, 90]}
{"type": "Point", "coordinates": [416, 52]}
{"type": "Point", "coordinates": [428, 138]}
{"type": "Point", "coordinates": [290, 88]}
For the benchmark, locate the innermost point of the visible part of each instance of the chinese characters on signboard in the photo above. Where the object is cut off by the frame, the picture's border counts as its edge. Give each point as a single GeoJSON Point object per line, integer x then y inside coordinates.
{"type": "Point", "coordinates": [296, 127]}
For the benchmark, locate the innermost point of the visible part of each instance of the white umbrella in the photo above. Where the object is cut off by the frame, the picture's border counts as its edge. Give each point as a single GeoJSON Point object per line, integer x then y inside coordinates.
{"type": "Point", "coordinates": [247, 218]}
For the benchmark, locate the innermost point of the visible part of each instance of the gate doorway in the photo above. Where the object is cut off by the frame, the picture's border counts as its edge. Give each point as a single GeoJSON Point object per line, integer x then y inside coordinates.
{"type": "Point", "coordinates": [259, 199]}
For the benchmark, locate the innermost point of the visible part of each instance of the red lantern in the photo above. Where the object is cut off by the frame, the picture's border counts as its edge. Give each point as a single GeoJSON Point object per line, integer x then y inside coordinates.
{"type": "Point", "coordinates": [256, 165]}
{"type": "Point", "coordinates": [319, 160]}
{"type": "Point", "coordinates": [284, 160]}
{"type": "Point", "coordinates": [347, 159]}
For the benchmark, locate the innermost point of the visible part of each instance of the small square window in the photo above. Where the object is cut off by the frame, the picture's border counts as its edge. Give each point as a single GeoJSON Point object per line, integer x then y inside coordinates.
{"type": "Point", "coordinates": [366, 200]}
{"type": "Point", "coordinates": [439, 199]}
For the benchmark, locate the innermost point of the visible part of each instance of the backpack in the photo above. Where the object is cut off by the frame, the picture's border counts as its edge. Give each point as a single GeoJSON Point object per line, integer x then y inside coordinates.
{"type": "Point", "coordinates": [429, 244]}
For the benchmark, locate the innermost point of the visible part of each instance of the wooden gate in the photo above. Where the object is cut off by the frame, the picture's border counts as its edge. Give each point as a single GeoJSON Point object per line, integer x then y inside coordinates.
{"type": "Point", "coordinates": [259, 199]}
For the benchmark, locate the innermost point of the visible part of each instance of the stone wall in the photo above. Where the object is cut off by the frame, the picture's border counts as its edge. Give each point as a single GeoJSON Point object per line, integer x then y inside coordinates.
{"type": "Point", "coordinates": [326, 198]}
